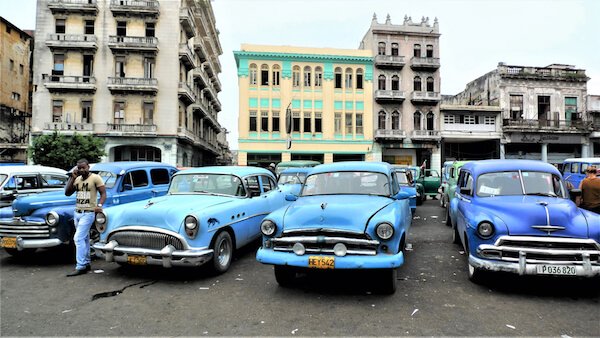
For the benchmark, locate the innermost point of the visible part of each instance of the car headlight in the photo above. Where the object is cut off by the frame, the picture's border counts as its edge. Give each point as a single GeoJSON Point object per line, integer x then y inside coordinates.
{"type": "Point", "coordinates": [485, 229]}
{"type": "Point", "coordinates": [100, 222]}
{"type": "Point", "coordinates": [191, 222]}
{"type": "Point", "coordinates": [268, 227]}
{"type": "Point", "coordinates": [384, 230]}
{"type": "Point", "coordinates": [52, 218]}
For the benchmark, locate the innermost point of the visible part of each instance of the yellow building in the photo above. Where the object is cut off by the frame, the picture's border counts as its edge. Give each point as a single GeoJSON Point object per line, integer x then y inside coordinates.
{"type": "Point", "coordinates": [329, 92]}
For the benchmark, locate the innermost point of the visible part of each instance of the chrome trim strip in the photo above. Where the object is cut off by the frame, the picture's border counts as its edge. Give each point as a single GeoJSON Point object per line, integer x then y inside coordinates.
{"type": "Point", "coordinates": [37, 243]}
{"type": "Point", "coordinates": [504, 238]}
{"type": "Point", "coordinates": [330, 251]}
{"type": "Point", "coordinates": [324, 230]}
{"type": "Point", "coordinates": [150, 229]}
{"type": "Point", "coordinates": [549, 252]}
{"type": "Point", "coordinates": [324, 239]}
{"type": "Point", "coordinates": [21, 222]}
{"type": "Point", "coordinates": [548, 228]}
{"type": "Point", "coordinates": [237, 221]}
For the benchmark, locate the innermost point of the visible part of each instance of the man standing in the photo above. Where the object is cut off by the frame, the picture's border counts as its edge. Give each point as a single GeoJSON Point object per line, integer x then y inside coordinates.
{"type": "Point", "coordinates": [590, 190]}
{"type": "Point", "coordinates": [87, 186]}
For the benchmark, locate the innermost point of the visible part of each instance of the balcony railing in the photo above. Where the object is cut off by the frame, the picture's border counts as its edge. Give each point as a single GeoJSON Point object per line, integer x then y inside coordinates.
{"type": "Point", "coordinates": [200, 48]}
{"type": "Point", "coordinates": [542, 73]}
{"type": "Point", "coordinates": [186, 55]}
{"type": "Point", "coordinates": [65, 126]}
{"type": "Point", "coordinates": [426, 96]}
{"type": "Point", "coordinates": [131, 128]}
{"type": "Point", "coordinates": [69, 82]}
{"type": "Point", "coordinates": [187, 22]}
{"type": "Point", "coordinates": [78, 41]}
{"type": "Point", "coordinates": [124, 43]}
{"type": "Point", "coordinates": [395, 134]}
{"type": "Point", "coordinates": [426, 134]}
{"type": "Point", "coordinates": [198, 141]}
{"type": "Point", "coordinates": [135, 7]}
{"type": "Point", "coordinates": [554, 125]}
{"type": "Point", "coordinates": [389, 61]}
{"type": "Point", "coordinates": [424, 62]}
{"type": "Point", "coordinates": [186, 93]}
{"type": "Point", "coordinates": [132, 84]}
{"type": "Point", "coordinates": [76, 6]}
{"type": "Point", "coordinates": [201, 74]}
{"type": "Point", "coordinates": [389, 95]}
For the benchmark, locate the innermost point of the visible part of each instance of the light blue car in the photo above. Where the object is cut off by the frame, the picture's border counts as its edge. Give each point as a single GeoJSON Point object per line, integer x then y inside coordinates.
{"type": "Point", "coordinates": [206, 215]}
{"type": "Point", "coordinates": [291, 180]}
{"type": "Point", "coordinates": [349, 215]}
{"type": "Point", "coordinates": [408, 184]}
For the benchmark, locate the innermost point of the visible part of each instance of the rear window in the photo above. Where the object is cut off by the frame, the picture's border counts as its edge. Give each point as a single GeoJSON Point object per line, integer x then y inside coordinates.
{"type": "Point", "coordinates": [136, 179]}
{"type": "Point", "coordinates": [54, 180]}
{"type": "Point", "coordinates": [159, 176]}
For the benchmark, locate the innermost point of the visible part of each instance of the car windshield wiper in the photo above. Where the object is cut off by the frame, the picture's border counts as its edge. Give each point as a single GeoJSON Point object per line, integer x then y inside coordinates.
{"type": "Point", "coordinates": [547, 194]}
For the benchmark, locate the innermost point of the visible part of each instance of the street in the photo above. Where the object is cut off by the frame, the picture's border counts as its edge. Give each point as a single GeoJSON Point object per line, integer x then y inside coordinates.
{"type": "Point", "coordinates": [433, 298]}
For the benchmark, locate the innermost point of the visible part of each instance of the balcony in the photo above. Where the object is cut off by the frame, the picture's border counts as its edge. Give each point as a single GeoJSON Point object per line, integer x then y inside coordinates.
{"type": "Point", "coordinates": [200, 49]}
{"type": "Point", "coordinates": [125, 84]}
{"type": "Point", "coordinates": [88, 7]}
{"type": "Point", "coordinates": [63, 126]}
{"type": "Point", "coordinates": [131, 129]}
{"type": "Point", "coordinates": [216, 83]}
{"type": "Point", "coordinates": [71, 41]}
{"type": "Point", "coordinates": [135, 7]}
{"type": "Point", "coordinates": [186, 93]}
{"type": "Point", "coordinates": [183, 132]}
{"type": "Point", "coordinates": [424, 63]}
{"type": "Point", "coordinates": [69, 83]}
{"type": "Point", "coordinates": [551, 126]}
{"type": "Point", "coordinates": [426, 97]}
{"type": "Point", "coordinates": [390, 134]}
{"type": "Point", "coordinates": [389, 95]}
{"type": "Point", "coordinates": [199, 73]}
{"type": "Point", "coordinates": [389, 61]}
{"type": "Point", "coordinates": [186, 19]}
{"type": "Point", "coordinates": [133, 43]}
{"type": "Point", "coordinates": [187, 56]}
{"type": "Point", "coordinates": [207, 113]}
{"type": "Point", "coordinates": [426, 135]}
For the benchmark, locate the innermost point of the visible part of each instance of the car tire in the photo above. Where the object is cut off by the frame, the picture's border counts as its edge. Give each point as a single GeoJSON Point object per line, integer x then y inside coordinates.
{"type": "Point", "coordinates": [476, 275]}
{"type": "Point", "coordinates": [387, 281]}
{"type": "Point", "coordinates": [222, 252]}
{"type": "Point", "coordinates": [284, 275]}
{"type": "Point", "coordinates": [20, 253]}
{"type": "Point", "coordinates": [455, 235]}
{"type": "Point", "coordinates": [442, 201]}
{"type": "Point", "coordinates": [448, 219]}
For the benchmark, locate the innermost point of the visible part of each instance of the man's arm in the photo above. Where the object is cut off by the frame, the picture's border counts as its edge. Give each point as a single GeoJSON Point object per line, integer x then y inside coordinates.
{"type": "Point", "coordinates": [70, 187]}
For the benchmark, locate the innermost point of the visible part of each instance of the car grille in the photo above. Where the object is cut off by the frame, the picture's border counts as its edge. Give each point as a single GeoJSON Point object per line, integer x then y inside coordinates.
{"type": "Point", "coordinates": [24, 231]}
{"type": "Point", "coordinates": [323, 241]}
{"type": "Point", "coordinates": [145, 239]}
{"type": "Point", "coordinates": [542, 249]}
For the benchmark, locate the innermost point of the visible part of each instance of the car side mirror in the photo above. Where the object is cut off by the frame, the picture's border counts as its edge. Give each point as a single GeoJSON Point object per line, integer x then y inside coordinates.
{"type": "Point", "coordinates": [465, 191]}
{"type": "Point", "coordinates": [291, 197]}
{"type": "Point", "coordinates": [402, 195]}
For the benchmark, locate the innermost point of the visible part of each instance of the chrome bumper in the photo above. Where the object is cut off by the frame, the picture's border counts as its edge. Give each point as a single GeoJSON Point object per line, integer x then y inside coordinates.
{"type": "Point", "coordinates": [37, 243]}
{"type": "Point", "coordinates": [586, 268]}
{"type": "Point", "coordinates": [167, 256]}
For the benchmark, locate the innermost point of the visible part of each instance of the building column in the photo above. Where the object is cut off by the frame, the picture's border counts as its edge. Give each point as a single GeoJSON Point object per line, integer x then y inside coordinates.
{"type": "Point", "coordinates": [285, 157]}
{"type": "Point", "coordinates": [436, 159]}
{"type": "Point", "coordinates": [328, 158]}
{"type": "Point", "coordinates": [242, 158]}
{"type": "Point", "coordinates": [545, 152]}
{"type": "Point", "coordinates": [377, 152]}
{"type": "Point", "coordinates": [585, 150]}
{"type": "Point", "coordinates": [502, 151]}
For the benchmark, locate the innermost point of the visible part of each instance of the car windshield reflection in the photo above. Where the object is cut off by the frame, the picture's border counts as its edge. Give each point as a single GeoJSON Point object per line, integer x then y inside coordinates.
{"type": "Point", "coordinates": [513, 183]}
{"type": "Point", "coordinates": [109, 178]}
{"type": "Point", "coordinates": [211, 184]}
{"type": "Point", "coordinates": [353, 182]}
{"type": "Point", "coordinates": [292, 178]}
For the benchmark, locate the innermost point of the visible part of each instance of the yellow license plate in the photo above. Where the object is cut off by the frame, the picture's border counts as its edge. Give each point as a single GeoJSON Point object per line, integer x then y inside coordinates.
{"type": "Point", "coordinates": [136, 260]}
{"type": "Point", "coordinates": [321, 262]}
{"type": "Point", "coordinates": [8, 242]}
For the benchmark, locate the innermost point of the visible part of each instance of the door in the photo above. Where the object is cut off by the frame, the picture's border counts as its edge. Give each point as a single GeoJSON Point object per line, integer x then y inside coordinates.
{"type": "Point", "coordinates": [135, 186]}
{"type": "Point", "coordinates": [463, 202]}
{"type": "Point", "coordinates": [257, 207]}
{"type": "Point", "coordinates": [431, 181]}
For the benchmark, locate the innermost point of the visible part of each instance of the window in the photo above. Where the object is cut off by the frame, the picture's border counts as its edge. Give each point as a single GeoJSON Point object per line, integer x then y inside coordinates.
{"type": "Point", "coordinates": [381, 82]}
{"type": "Point", "coordinates": [119, 66]}
{"type": "Point", "coordinates": [253, 121]}
{"type": "Point", "coordinates": [12, 65]}
{"type": "Point", "coordinates": [348, 78]}
{"type": "Point", "coordinates": [318, 77]}
{"type": "Point", "coordinates": [21, 69]}
{"type": "Point", "coordinates": [469, 119]}
{"type": "Point", "coordinates": [396, 120]}
{"type": "Point", "coordinates": [159, 176]}
{"type": "Point", "coordinates": [417, 84]}
{"type": "Point", "coordinates": [88, 27]}
{"type": "Point", "coordinates": [417, 51]}
{"type": "Point", "coordinates": [337, 123]}
{"type": "Point", "coordinates": [338, 77]}
{"type": "Point", "coordinates": [359, 78]}
{"type": "Point", "coordinates": [307, 124]}
{"type": "Point", "coordinates": [543, 107]}
{"type": "Point", "coordinates": [395, 82]}
{"type": "Point", "coordinates": [417, 120]}
{"type": "Point", "coordinates": [121, 28]}
{"type": "Point", "coordinates": [253, 186]}
{"type": "Point", "coordinates": [348, 122]}
{"type": "Point", "coordinates": [57, 110]}
{"type": "Point", "coordinates": [276, 74]}
{"type": "Point", "coordinates": [150, 29]}
{"type": "Point", "coordinates": [148, 108]}
{"type": "Point", "coordinates": [149, 65]}
{"type": "Point", "coordinates": [449, 119]}
{"type": "Point", "coordinates": [15, 96]}
{"type": "Point", "coordinates": [86, 112]}
{"type": "Point", "coordinates": [135, 179]}
{"type": "Point", "coordinates": [275, 121]}
{"type": "Point", "coordinates": [359, 123]}
{"type": "Point", "coordinates": [60, 26]}
{"type": "Point", "coordinates": [381, 48]}
{"type": "Point", "coordinates": [253, 74]}
{"type": "Point", "coordinates": [119, 109]}
{"type": "Point", "coordinates": [296, 121]}
{"type": "Point", "coordinates": [429, 51]}
{"type": "Point", "coordinates": [54, 180]}
{"type": "Point", "coordinates": [516, 107]}
{"type": "Point", "coordinates": [264, 75]}
{"type": "Point", "coordinates": [430, 121]}
{"type": "Point", "coordinates": [318, 122]}
{"type": "Point", "coordinates": [489, 120]}
{"type": "Point", "coordinates": [59, 65]}
{"type": "Point", "coordinates": [395, 49]}
{"type": "Point", "coordinates": [430, 84]}
{"type": "Point", "coordinates": [571, 108]}
{"type": "Point", "coordinates": [307, 76]}
{"type": "Point", "coordinates": [381, 120]}
{"type": "Point", "coordinates": [296, 76]}
{"type": "Point", "coordinates": [267, 183]}
{"type": "Point", "coordinates": [264, 121]}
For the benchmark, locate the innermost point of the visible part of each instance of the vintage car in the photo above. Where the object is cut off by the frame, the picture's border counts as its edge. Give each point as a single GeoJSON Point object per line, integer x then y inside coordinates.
{"type": "Point", "coordinates": [573, 169]}
{"type": "Point", "coordinates": [349, 215]}
{"type": "Point", "coordinates": [46, 219]}
{"type": "Point", "coordinates": [447, 194]}
{"type": "Point", "coordinates": [281, 166]}
{"type": "Point", "coordinates": [22, 180]}
{"type": "Point", "coordinates": [408, 184]}
{"type": "Point", "coordinates": [291, 179]}
{"type": "Point", "coordinates": [431, 181]}
{"type": "Point", "coordinates": [515, 216]}
{"type": "Point", "coordinates": [445, 176]}
{"type": "Point", "coordinates": [416, 173]}
{"type": "Point", "coordinates": [207, 214]}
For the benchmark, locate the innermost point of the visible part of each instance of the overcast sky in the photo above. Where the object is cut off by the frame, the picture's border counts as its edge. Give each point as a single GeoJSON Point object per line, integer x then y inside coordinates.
{"type": "Point", "coordinates": [476, 34]}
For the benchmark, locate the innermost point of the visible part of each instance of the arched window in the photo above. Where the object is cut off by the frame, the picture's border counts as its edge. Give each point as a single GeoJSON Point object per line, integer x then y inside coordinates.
{"type": "Point", "coordinates": [395, 82]}
{"type": "Point", "coordinates": [348, 78]}
{"type": "Point", "coordinates": [381, 82]}
{"type": "Point", "coordinates": [307, 76]}
{"type": "Point", "coordinates": [417, 120]}
{"type": "Point", "coordinates": [276, 74]}
{"type": "Point", "coordinates": [338, 77]}
{"type": "Point", "coordinates": [430, 120]}
{"type": "Point", "coordinates": [430, 84]}
{"type": "Point", "coordinates": [253, 74]}
{"type": "Point", "coordinates": [396, 120]}
{"type": "Point", "coordinates": [296, 76]}
{"type": "Point", "coordinates": [417, 50]}
{"type": "Point", "coordinates": [381, 48]}
{"type": "Point", "coordinates": [429, 51]}
{"type": "Point", "coordinates": [395, 49]}
{"type": "Point", "coordinates": [381, 120]}
{"type": "Point", "coordinates": [359, 78]}
{"type": "Point", "coordinates": [417, 84]}
{"type": "Point", "coordinates": [264, 75]}
{"type": "Point", "coordinates": [318, 76]}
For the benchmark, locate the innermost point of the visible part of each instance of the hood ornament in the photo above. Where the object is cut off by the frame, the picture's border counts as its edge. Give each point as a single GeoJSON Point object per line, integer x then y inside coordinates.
{"type": "Point", "coordinates": [549, 229]}
{"type": "Point", "coordinates": [323, 206]}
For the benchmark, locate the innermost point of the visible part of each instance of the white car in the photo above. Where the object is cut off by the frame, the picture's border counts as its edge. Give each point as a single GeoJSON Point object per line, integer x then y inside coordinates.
{"type": "Point", "coordinates": [27, 179]}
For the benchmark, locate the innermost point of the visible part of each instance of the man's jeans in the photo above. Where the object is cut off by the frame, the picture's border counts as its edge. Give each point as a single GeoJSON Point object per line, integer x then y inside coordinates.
{"type": "Point", "coordinates": [83, 223]}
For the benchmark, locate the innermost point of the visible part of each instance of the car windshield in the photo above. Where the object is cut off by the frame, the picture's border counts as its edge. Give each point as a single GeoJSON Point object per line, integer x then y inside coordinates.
{"type": "Point", "coordinates": [292, 178]}
{"type": "Point", "coordinates": [2, 178]}
{"type": "Point", "coordinates": [109, 178]}
{"type": "Point", "coordinates": [513, 182]}
{"type": "Point", "coordinates": [212, 184]}
{"type": "Point", "coordinates": [346, 182]}
{"type": "Point", "coordinates": [401, 178]}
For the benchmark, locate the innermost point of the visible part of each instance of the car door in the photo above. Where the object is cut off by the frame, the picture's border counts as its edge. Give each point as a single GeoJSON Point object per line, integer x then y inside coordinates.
{"type": "Point", "coordinates": [464, 200]}
{"type": "Point", "coordinates": [256, 207]}
{"type": "Point", "coordinates": [135, 186]}
{"type": "Point", "coordinates": [160, 178]}
{"type": "Point", "coordinates": [431, 181]}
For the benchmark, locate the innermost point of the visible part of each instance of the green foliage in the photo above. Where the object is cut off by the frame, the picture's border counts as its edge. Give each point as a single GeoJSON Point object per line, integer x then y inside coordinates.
{"type": "Point", "coordinates": [63, 151]}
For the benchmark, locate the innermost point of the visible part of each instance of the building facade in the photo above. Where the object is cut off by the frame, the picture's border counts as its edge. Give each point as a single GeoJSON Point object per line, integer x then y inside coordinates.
{"type": "Point", "coordinates": [15, 106]}
{"type": "Point", "coordinates": [406, 90]}
{"type": "Point", "coordinates": [142, 74]}
{"type": "Point", "coordinates": [593, 110]}
{"type": "Point", "coordinates": [329, 96]}
{"type": "Point", "coordinates": [544, 113]}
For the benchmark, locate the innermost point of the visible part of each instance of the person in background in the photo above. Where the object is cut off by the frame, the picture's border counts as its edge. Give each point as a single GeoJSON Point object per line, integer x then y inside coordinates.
{"type": "Point", "coordinates": [272, 169]}
{"type": "Point", "coordinates": [590, 190]}
{"type": "Point", "coordinates": [87, 186]}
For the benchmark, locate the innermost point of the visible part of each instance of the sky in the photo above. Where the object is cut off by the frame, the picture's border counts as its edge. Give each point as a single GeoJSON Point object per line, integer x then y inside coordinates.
{"type": "Point", "coordinates": [475, 34]}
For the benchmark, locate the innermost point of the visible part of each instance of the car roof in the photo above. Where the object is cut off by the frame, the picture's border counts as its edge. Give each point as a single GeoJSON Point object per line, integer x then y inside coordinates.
{"type": "Point", "coordinates": [117, 167]}
{"type": "Point", "coordinates": [486, 166]}
{"type": "Point", "coordinates": [298, 163]}
{"type": "Point", "coordinates": [583, 159]}
{"type": "Point", "coordinates": [296, 170]}
{"type": "Point", "coordinates": [24, 169]}
{"type": "Point", "coordinates": [381, 167]}
{"type": "Point", "coordinates": [228, 170]}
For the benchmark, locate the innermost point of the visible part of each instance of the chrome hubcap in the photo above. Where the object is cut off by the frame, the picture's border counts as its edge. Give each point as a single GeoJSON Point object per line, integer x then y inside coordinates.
{"type": "Point", "coordinates": [223, 252]}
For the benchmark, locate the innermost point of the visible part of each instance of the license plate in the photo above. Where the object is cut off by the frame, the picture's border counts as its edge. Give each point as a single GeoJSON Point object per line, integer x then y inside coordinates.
{"type": "Point", "coordinates": [136, 260]}
{"type": "Point", "coordinates": [321, 262]}
{"type": "Point", "coordinates": [564, 270]}
{"type": "Point", "coordinates": [8, 242]}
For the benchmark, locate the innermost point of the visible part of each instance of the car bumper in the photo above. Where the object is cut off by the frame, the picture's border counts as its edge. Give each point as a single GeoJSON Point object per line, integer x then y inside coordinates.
{"type": "Point", "coordinates": [166, 257]}
{"type": "Point", "coordinates": [585, 269]}
{"type": "Point", "coordinates": [29, 234]}
{"type": "Point", "coordinates": [381, 261]}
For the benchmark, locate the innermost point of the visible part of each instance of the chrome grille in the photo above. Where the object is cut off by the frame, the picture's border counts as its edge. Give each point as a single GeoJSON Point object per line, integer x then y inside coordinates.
{"type": "Point", "coordinates": [145, 239]}
{"type": "Point", "coordinates": [542, 249]}
{"type": "Point", "coordinates": [323, 241]}
{"type": "Point", "coordinates": [24, 231]}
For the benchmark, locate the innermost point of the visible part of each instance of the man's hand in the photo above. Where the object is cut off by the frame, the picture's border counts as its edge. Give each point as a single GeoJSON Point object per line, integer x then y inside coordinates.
{"type": "Point", "coordinates": [75, 172]}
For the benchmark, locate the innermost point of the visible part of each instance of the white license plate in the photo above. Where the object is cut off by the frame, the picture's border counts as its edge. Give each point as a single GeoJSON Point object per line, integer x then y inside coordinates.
{"type": "Point", "coordinates": [556, 270]}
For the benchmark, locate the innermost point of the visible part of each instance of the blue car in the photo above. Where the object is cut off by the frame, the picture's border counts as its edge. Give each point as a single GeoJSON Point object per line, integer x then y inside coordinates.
{"type": "Point", "coordinates": [408, 184]}
{"type": "Point", "coordinates": [516, 216]}
{"type": "Point", "coordinates": [207, 213]}
{"type": "Point", "coordinates": [349, 215]}
{"type": "Point", "coordinates": [46, 219]}
{"type": "Point", "coordinates": [291, 180]}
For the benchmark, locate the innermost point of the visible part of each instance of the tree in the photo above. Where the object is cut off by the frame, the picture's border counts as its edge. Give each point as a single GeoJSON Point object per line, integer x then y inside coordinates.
{"type": "Point", "coordinates": [63, 151]}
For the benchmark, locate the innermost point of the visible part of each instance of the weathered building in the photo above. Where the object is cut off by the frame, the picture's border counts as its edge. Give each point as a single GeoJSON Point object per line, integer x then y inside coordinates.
{"type": "Point", "coordinates": [15, 106]}
{"type": "Point", "coordinates": [593, 110]}
{"type": "Point", "coordinates": [142, 74]}
{"type": "Point", "coordinates": [406, 91]}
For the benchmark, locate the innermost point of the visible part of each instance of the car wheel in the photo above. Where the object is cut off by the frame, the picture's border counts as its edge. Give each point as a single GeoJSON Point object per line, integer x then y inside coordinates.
{"type": "Point", "coordinates": [19, 254]}
{"type": "Point", "coordinates": [455, 235]}
{"type": "Point", "coordinates": [476, 275]}
{"type": "Point", "coordinates": [387, 281]}
{"type": "Point", "coordinates": [420, 200]}
{"type": "Point", "coordinates": [284, 275]}
{"type": "Point", "coordinates": [442, 201]}
{"type": "Point", "coordinates": [222, 252]}
{"type": "Point", "coordinates": [448, 220]}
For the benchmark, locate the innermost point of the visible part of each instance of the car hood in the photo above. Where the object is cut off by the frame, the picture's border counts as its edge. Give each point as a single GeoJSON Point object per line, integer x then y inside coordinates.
{"type": "Point", "coordinates": [343, 212]}
{"type": "Point", "coordinates": [521, 213]}
{"type": "Point", "coordinates": [166, 212]}
{"type": "Point", "coordinates": [25, 205]}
